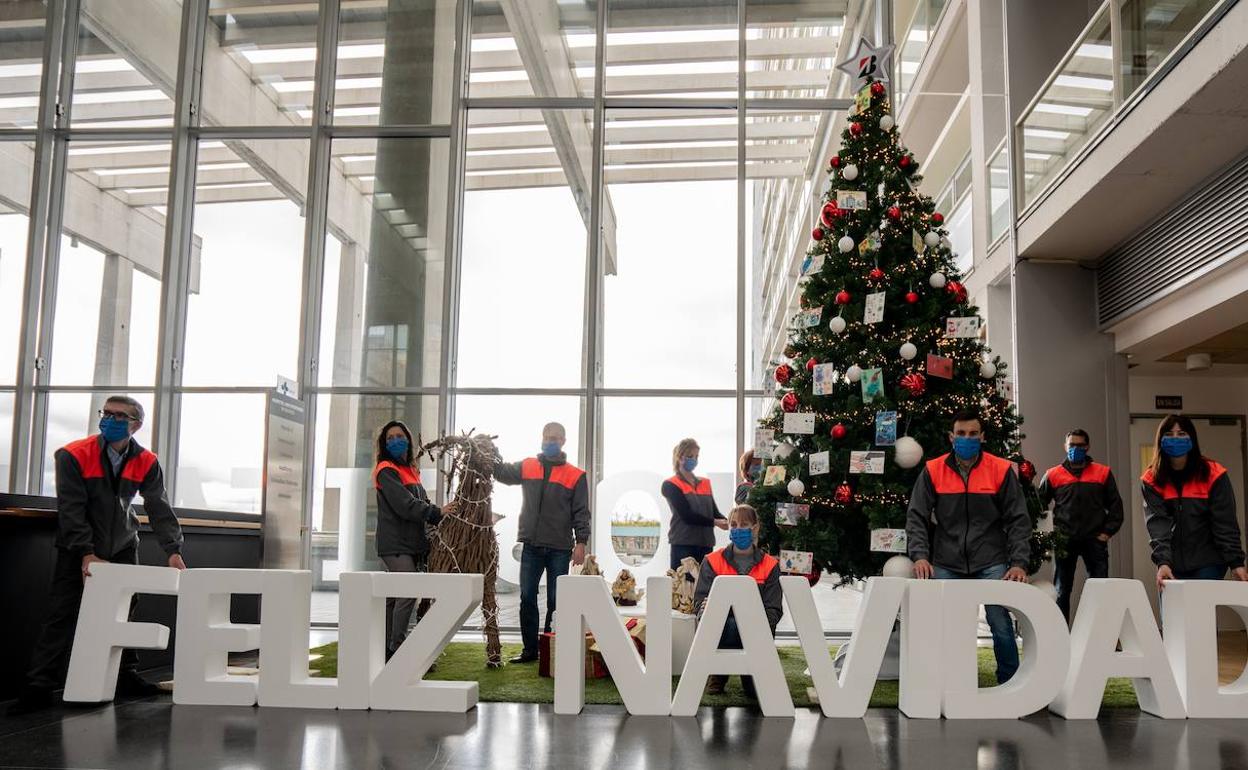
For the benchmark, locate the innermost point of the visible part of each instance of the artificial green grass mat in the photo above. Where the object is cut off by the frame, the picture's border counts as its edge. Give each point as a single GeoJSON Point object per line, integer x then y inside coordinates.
{"type": "Point", "coordinates": [465, 662]}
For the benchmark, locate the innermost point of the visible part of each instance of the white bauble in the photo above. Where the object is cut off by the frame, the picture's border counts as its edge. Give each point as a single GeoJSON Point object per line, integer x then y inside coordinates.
{"type": "Point", "coordinates": [783, 450]}
{"type": "Point", "coordinates": [1047, 587]}
{"type": "Point", "coordinates": [845, 244]}
{"type": "Point", "coordinates": [907, 452]}
{"type": "Point", "coordinates": [932, 238]}
{"type": "Point", "coordinates": [909, 351]}
{"type": "Point", "coordinates": [853, 373]}
{"type": "Point", "coordinates": [987, 370]}
{"type": "Point", "coordinates": [849, 173]}
{"type": "Point", "coordinates": [887, 122]}
{"type": "Point", "coordinates": [937, 281]}
{"type": "Point", "coordinates": [899, 567]}
{"type": "Point", "coordinates": [837, 324]}
{"type": "Point", "coordinates": [797, 488]}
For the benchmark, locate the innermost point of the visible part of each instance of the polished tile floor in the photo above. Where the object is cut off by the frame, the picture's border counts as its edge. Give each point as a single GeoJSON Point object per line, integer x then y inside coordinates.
{"type": "Point", "coordinates": [154, 733]}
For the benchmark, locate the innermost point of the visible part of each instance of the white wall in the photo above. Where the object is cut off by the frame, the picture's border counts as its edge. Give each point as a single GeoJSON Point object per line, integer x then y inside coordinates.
{"type": "Point", "coordinates": [1203, 393]}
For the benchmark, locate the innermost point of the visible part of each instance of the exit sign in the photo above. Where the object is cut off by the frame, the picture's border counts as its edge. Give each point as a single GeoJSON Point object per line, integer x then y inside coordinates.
{"type": "Point", "coordinates": [1169, 403]}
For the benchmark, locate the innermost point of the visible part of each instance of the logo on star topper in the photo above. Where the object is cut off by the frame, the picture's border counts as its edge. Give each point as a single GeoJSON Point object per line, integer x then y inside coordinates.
{"type": "Point", "coordinates": [868, 63]}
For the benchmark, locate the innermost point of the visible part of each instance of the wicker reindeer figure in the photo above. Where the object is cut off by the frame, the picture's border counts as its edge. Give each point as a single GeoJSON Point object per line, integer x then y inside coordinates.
{"type": "Point", "coordinates": [465, 541]}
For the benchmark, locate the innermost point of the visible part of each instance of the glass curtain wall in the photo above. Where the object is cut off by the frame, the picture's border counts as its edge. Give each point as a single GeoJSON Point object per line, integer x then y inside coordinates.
{"type": "Point", "coordinates": [475, 215]}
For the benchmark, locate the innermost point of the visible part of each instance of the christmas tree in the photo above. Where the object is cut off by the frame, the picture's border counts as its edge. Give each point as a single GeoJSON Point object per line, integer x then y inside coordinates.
{"type": "Point", "coordinates": [885, 350]}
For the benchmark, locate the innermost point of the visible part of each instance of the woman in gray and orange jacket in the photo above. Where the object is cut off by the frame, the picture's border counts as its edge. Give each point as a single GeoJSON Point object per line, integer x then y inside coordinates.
{"type": "Point", "coordinates": [1189, 508]}
{"type": "Point", "coordinates": [694, 513]}
{"type": "Point", "coordinates": [403, 510]}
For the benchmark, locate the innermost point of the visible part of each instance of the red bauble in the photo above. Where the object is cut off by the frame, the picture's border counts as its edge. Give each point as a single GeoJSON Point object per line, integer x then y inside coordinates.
{"type": "Point", "coordinates": [914, 383]}
{"type": "Point", "coordinates": [877, 89]}
{"type": "Point", "coordinates": [789, 402]}
{"type": "Point", "coordinates": [839, 431]}
{"type": "Point", "coordinates": [904, 162]}
{"type": "Point", "coordinates": [938, 218]}
{"type": "Point", "coordinates": [957, 290]}
{"type": "Point", "coordinates": [912, 297]}
{"type": "Point", "coordinates": [835, 162]}
{"type": "Point", "coordinates": [842, 297]}
{"type": "Point", "coordinates": [855, 128]}
{"type": "Point", "coordinates": [843, 495]}
{"type": "Point", "coordinates": [1027, 470]}
{"type": "Point", "coordinates": [829, 214]}
{"type": "Point", "coordinates": [783, 373]}
{"type": "Point", "coordinates": [811, 363]}
{"type": "Point", "coordinates": [817, 234]}
{"type": "Point", "coordinates": [876, 274]}
{"type": "Point", "coordinates": [894, 212]}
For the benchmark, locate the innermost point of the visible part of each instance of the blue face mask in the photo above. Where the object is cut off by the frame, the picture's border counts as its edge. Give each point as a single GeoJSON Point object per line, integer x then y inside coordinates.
{"type": "Point", "coordinates": [741, 537]}
{"type": "Point", "coordinates": [689, 463]}
{"type": "Point", "coordinates": [966, 447]}
{"type": "Point", "coordinates": [550, 449]}
{"type": "Point", "coordinates": [397, 447]}
{"type": "Point", "coordinates": [1077, 454]}
{"type": "Point", "coordinates": [114, 430]}
{"type": "Point", "coordinates": [1176, 446]}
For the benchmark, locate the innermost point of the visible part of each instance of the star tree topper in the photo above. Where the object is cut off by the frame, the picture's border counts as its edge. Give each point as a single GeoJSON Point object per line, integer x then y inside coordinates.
{"type": "Point", "coordinates": [868, 63]}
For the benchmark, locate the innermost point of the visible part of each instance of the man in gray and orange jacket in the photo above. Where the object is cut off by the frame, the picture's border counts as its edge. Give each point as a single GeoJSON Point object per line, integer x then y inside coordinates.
{"type": "Point", "coordinates": [554, 526]}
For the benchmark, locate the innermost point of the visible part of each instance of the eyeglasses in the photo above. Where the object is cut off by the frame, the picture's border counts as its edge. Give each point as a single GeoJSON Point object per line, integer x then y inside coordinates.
{"type": "Point", "coordinates": [117, 415]}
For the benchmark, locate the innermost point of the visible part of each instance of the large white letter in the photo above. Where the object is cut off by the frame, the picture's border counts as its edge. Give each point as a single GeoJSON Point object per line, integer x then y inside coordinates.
{"type": "Point", "coordinates": [361, 623]}
{"type": "Point", "coordinates": [1112, 611]}
{"type": "Point", "coordinates": [285, 606]}
{"type": "Point", "coordinates": [1189, 617]}
{"type": "Point", "coordinates": [104, 631]}
{"type": "Point", "coordinates": [758, 659]}
{"type": "Point", "coordinates": [848, 694]}
{"type": "Point", "coordinates": [922, 651]}
{"type": "Point", "coordinates": [206, 637]}
{"type": "Point", "coordinates": [585, 605]}
{"type": "Point", "coordinates": [1045, 639]}
{"type": "Point", "coordinates": [399, 686]}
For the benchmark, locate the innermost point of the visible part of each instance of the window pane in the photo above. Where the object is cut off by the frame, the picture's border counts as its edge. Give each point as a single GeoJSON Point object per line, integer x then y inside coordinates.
{"type": "Point", "coordinates": [259, 63]}
{"type": "Point", "coordinates": [344, 504]}
{"type": "Point", "coordinates": [526, 211]}
{"type": "Point", "coordinates": [395, 62]}
{"type": "Point", "coordinates": [961, 235]}
{"type": "Point", "coordinates": [507, 57]}
{"type": "Point", "coordinates": [638, 435]}
{"type": "Point", "coordinates": [244, 306]}
{"type": "Point", "coordinates": [1151, 30]}
{"type": "Point", "coordinates": [518, 422]}
{"type": "Point", "coordinates": [72, 416]}
{"type": "Point", "coordinates": [16, 159]}
{"type": "Point", "coordinates": [780, 215]}
{"type": "Point", "coordinates": [221, 452]}
{"type": "Point", "coordinates": [382, 307]}
{"type": "Point", "coordinates": [672, 49]}
{"type": "Point", "coordinates": [111, 258]}
{"type": "Point", "coordinates": [671, 283]}
{"type": "Point", "coordinates": [126, 71]}
{"type": "Point", "coordinates": [914, 25]}
{"type": "Point", "coordinates": [6, 438]}
{"type": "Point", "coordinates": [21, 61]}
{"type": "Point", "coordinates": [790, 47]}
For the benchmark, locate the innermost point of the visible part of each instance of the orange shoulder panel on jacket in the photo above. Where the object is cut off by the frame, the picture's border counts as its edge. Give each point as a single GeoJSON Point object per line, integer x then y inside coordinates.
{"type": "Point", "coordinates": [86, 451]}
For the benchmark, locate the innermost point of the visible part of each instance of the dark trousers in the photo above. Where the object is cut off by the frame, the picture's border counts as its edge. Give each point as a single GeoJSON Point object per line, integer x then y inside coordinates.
{"type": "Point", "coordinates": [698, 552]}
{"type": "Point", "coordinates": [535, 560]}
{"type": "Point", "coordinates": [399, 609]}
{"type": "Point", "coordinates": [730, 639]}
{"type": "Point", "coordinates": [1095, 555]}
{"type": "Point", "coordinates": [49, 661]}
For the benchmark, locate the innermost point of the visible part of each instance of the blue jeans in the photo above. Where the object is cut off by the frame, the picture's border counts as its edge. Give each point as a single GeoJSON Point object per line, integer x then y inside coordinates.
{"type": "Point", "coordinates": [1004, 645]}
{"type": "Point", "coordinates": [1212, 572]}
{"type": "Point", "coordinates": [534, 560]}
{"type": "Point", "coordinates": [698, 552]}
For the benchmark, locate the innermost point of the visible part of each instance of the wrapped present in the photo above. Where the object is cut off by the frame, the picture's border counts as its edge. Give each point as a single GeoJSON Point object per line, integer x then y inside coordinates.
{"type": "Point", "coordinates": [594, 666]}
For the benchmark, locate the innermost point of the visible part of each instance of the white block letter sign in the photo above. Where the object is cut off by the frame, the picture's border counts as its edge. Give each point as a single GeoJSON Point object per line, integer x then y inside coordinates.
{"type": "Point", "coordinates": [206, 637]}
{"type": "Point", "coordinates": [1189, 616]}
{"type": "Point", "coordinates": [285, 607]}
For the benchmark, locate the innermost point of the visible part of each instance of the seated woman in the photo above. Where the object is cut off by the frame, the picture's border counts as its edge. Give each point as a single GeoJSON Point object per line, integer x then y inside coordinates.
{"type": "Point", "coordinates": [742, 557]}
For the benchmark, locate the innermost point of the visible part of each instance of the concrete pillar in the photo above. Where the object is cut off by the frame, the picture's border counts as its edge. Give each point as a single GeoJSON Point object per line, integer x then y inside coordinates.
{"type": "Point", "coordinates": [1070, 376]}
{"type": "Point", "coordinates": [112, 344]}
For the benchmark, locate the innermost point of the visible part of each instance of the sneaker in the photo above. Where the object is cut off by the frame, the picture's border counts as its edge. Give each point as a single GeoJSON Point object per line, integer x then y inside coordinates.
{"type": "Point", "coordinates": [32, 699]}
{"type": "Point", "coordinates": [716, 684]}
{"type": "Point", "coordinates": [131, 685]}
{"type": "Point", "coordinates": [525, 657]}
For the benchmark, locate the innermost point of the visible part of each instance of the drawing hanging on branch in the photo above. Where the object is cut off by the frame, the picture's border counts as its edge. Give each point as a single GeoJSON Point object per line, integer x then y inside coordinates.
{"type": "Point", "coordinates": [465, 541]}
